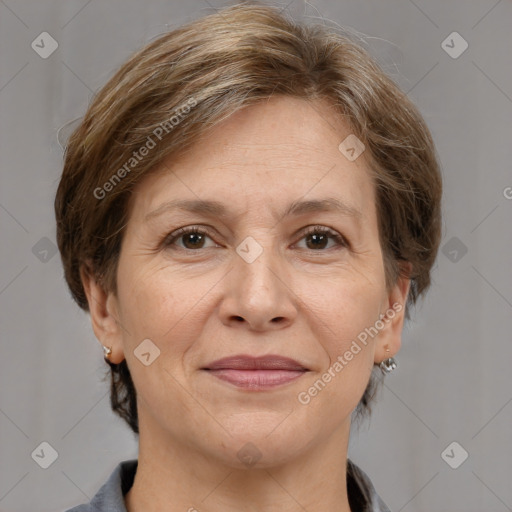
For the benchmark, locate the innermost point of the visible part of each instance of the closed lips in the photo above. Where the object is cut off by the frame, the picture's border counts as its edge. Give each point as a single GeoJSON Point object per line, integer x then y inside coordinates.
{"type": "Point", "coordinates": [251, 373]}
{"type": "Point", "coordinates": [245, 362]}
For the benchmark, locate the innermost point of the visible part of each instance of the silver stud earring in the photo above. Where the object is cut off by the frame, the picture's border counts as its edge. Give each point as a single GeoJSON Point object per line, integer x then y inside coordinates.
{"type": "Point", "coordinates": [388, 365]}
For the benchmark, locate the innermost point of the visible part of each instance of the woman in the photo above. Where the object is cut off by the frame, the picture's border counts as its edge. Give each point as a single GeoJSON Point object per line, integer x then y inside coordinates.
{"type": "Point", "coordinates": [247, 211]}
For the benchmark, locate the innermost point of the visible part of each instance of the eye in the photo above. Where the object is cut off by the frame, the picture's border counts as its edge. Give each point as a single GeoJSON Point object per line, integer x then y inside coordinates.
{"type": "Point", "coordinates": [192, 238]}
{"type": "Point", "coordinates": [319, 236]}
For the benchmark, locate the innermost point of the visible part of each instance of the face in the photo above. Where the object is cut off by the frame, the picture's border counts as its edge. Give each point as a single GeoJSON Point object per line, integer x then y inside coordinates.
{"type": "Point", "coordinates": [257, 278]}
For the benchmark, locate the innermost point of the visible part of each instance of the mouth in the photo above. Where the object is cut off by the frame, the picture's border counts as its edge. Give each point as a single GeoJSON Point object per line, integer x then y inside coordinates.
{"type": "Point", "coordinates": [256, 373]}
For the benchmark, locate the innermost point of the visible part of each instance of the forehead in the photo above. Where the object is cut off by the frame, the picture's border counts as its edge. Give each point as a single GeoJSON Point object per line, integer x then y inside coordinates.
{"type": "Point", "coordinates": [265, 156]}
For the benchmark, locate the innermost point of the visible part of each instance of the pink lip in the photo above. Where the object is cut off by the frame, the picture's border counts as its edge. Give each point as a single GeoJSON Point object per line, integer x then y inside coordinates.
{"type": "Point", "coordinates": [245, 362]}
{"type": "Point", "coordinates": [256, 372]}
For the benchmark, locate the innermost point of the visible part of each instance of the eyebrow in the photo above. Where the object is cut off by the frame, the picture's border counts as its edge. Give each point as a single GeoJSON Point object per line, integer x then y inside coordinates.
{"type": "Point", "coordinates": [217, 209]}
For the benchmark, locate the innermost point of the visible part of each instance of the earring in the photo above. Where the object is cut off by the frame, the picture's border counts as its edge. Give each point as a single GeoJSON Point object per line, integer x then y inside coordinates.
{"type": "Point", "coordinates": [107, 351]}
{"type": "Point", "coordinates": [388, 365]}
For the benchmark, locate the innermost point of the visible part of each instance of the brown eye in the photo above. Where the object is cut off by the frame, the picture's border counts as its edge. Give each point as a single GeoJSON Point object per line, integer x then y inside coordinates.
{"type": "Point", "coordinates": [190, 238]}
{"type": "Point", "coordinates": [317, 238]}
{"type": "Point", "coordinates": [196, 240]}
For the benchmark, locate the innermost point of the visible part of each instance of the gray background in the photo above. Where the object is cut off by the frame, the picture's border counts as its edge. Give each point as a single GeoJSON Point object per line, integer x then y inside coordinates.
{"type": "Point", "coordinates": [454, 377]}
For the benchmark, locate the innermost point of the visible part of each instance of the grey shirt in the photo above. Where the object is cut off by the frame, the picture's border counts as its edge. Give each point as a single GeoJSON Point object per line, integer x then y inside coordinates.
{"type": "Point", "coordinates": [362, 496]}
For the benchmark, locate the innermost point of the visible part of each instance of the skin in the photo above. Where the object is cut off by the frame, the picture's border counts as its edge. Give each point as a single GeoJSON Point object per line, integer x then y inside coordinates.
{"type": "Point", "coordinates": [200, 301]}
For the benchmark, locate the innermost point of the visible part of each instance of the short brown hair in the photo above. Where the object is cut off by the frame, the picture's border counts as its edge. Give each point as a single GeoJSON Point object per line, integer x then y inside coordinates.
{"type": "Point", "coordinates": [190, 79]}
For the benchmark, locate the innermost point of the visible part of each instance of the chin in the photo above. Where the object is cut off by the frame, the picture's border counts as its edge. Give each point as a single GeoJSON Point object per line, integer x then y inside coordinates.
{"type": "Point", "coordinates": [262, 446]}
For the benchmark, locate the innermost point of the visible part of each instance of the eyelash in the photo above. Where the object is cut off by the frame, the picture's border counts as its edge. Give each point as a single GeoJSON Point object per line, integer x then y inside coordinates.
{"type": "Point", "coordinates": [319, 230]}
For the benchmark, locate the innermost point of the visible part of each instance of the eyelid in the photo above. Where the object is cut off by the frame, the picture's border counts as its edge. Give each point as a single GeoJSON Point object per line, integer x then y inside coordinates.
{"type": "Point", "coordinates": [340, 239]}
{"type": "Point", "coordinates": [169, 239]}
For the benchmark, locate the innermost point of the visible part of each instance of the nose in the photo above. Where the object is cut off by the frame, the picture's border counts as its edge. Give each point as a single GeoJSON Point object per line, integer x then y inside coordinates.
{"type": "Point", "coordinates": [259, 295]}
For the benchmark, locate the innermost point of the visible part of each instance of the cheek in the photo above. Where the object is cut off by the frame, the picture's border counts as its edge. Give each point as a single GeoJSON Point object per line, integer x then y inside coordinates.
{"type": "Point", "coordinates": [154, 305]}
{"type": "Point", "coordinates": [349, 360]}
{"type": "Point", "coordinates": [348, 304]}
{"type": "Point", "coordinates": [346, 313]}
{"type": "Point", "coordinates": [155, 308]}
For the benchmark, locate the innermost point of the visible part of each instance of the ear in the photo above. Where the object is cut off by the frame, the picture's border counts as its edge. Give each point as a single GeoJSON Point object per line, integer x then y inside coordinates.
{"type": "Point", "coordinates": [103, 310]}
{"type": "Point", "coordinates": [392, 316]}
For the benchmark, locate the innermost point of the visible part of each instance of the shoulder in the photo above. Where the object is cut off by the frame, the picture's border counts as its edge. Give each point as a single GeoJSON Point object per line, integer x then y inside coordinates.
{"type": "Point", "coordinates": [110, 496]}
{"type": "Point", "coordinates": [361, 492]}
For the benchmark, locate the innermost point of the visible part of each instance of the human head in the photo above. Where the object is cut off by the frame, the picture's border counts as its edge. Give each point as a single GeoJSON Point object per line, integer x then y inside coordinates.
{"type": "Point", "coordinates": [184, 84]}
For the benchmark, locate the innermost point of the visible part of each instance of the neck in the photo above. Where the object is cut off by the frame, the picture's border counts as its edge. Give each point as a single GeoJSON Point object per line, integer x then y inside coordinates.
{"type": "Point", "coordinates": [173, 477]}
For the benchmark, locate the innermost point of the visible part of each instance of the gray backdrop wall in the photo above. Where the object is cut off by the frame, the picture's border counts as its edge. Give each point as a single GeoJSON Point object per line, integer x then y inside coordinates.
{"type": "Point", "coordinates": [451, 394]}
